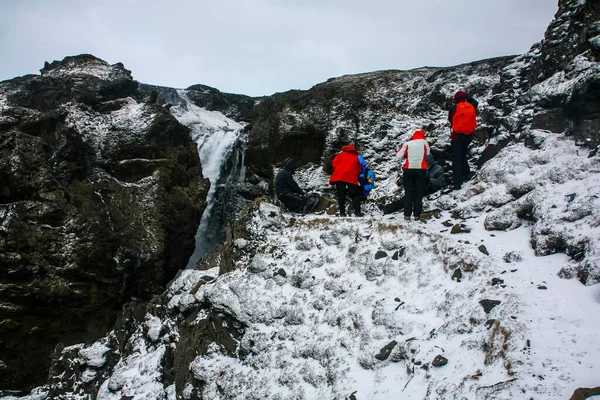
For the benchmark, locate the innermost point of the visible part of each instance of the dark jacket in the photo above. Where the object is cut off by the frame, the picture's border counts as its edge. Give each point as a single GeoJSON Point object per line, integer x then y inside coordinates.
{"type": "Point", "coordinates": [435, 175]}
{"type": "Point", "coordinates": [284, 181]}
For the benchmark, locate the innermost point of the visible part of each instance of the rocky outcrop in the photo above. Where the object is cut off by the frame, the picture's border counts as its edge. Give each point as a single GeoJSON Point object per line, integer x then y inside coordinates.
{"type": "Point", "coordinates": [570, 48]}
{"type": "Point", "coordinates": [386, 105]}
{"type": "Point", "coordinates": [100, 199]}
{"type": "Point", "coordinates": [235, 106]}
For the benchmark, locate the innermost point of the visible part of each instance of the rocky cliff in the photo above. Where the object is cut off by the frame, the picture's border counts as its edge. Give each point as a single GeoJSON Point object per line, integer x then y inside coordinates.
{"type": "Point", "coordinates": [101, 194]}
{"type": "Point", "coordinates": [322, 307]}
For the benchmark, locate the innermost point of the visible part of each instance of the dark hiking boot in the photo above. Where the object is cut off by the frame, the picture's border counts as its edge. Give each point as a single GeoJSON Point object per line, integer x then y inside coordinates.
{"type": "Point", "coordinates": [407, 217]}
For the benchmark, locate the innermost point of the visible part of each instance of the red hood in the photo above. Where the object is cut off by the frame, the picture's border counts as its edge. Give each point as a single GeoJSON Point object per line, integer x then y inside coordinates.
{"type": "Point", "coordinates": [350, 149]}
{"type": "Point", "coordinates": [419, 134]}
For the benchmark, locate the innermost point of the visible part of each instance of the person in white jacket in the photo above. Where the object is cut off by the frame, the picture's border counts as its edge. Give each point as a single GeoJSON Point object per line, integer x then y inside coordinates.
{"type": "Point", "coordinates": [414, 171]}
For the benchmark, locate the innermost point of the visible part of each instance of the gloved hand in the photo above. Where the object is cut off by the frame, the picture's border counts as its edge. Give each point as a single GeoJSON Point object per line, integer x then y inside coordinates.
{"type": "Point", "coordinates": [399, 179]}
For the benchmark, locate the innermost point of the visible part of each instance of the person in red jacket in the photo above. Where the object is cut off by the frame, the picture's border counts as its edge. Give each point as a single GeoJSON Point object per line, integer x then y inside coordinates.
{"type": "Point", "coordinates": [346, 168]}
{"type": "Point", "coordinates": [463, 120]}
{"type": "Point", "coordinates": [414, 172]}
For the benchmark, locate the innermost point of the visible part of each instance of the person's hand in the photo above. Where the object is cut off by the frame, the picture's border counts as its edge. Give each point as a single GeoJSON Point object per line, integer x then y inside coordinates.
{"type": "Point", "coordinates": [399, 180]}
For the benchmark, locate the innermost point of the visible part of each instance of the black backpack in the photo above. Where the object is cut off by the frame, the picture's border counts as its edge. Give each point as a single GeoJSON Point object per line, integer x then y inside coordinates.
{"type": "Point", "coordinates": [311, 203]}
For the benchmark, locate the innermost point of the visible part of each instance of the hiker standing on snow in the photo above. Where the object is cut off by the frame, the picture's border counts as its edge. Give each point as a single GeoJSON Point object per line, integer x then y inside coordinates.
{"type": "Point", "coordinates": [346, 169]}
{"type": "Point", "coordinates": [414, 172]}
{"type": "Point", "coordinates": [435, 181]}
{"type": "Point", "coordinates": [463, 120]}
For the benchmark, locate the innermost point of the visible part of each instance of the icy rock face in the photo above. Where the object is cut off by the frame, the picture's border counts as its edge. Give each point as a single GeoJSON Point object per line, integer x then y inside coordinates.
{"type": "Point", "coordinates": [235, 106]}
{"type": "Point", "coordinates": [377, 110]}
{"type": "Point", "coordinates": [571, 33]}
{"type": "Point", "coordinates": [568, 65]}
{"type": "Point", "coordinates": [100, 199]}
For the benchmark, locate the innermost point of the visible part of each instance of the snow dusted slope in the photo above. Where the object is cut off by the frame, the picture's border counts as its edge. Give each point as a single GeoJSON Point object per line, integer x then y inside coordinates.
{"type": "Point", "coordinates": [317, 302]}
{"type": "Point", "coordinates": [553, 187]}
{"type": "Point", "coordinates": [316, 330]}
{"type": "Point", "coordinates": [325, 307]}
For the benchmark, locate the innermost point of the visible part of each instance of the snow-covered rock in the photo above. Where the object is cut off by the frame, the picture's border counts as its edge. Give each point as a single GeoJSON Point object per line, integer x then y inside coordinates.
{"type": "Point", "coordinates": [472, 304]}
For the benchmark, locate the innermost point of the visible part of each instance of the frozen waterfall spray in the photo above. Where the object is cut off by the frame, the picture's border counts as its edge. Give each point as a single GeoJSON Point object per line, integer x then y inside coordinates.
{"type": "Point", "coordinates": [221, 148]}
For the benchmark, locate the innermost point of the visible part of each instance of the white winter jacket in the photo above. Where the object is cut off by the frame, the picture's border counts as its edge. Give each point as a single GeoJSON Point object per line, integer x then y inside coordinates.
{"type": "Point", "coordinates": [415, 151]}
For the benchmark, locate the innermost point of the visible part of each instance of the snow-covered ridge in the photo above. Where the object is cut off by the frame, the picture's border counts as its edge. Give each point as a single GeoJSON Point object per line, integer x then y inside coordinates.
{"type": "Point", "coordinates": [86, 65]}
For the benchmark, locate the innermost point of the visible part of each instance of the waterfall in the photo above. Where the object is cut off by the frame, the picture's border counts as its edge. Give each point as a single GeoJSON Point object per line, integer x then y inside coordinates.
{"type": "Point", "coordinates": [221, 148]}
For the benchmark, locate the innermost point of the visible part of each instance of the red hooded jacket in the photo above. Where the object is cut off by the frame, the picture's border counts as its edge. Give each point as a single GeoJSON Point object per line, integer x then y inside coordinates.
{"type": "Point", "coordinates": [346, 166]}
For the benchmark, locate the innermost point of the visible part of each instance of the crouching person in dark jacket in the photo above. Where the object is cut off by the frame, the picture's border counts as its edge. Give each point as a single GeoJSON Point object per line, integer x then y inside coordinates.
{"type": "Point", "coordinates": [289, 193]}
{"type": "Point", "coordinates": [286, 188]}
{"type": "Point", "coordinates": [435, 176]}
{"type": "Point", "coordinates": [435, 181]}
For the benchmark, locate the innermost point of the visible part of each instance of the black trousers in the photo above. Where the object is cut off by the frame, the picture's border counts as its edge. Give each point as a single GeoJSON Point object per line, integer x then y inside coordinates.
{"type": "Point", "coordinates": [293, 201]}
{"type": "Point", "coordinates": [398, 205]}
{"type": "Point", "coordinates": [460, 164]}
{"type": "Point", "coordinates": [414, 188]}
{"type": "Point", "coordinates": [354, 191]}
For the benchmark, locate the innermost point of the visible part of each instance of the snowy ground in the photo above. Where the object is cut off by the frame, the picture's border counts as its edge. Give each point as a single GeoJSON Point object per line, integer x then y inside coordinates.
{"type": "Point", "coordinates": [315, 333]}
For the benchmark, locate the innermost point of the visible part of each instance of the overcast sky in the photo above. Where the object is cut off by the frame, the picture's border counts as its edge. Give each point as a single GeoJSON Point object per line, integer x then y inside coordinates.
{"type": "Point", "coordinates": [258, 47]}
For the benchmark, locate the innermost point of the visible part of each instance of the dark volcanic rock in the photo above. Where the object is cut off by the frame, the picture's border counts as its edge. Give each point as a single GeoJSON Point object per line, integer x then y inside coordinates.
{"type": "Point", "coordinates": [497, 281]}
{"type": "Point", "coordinates": [457, 275]}
{"type": "Point", "coordinates": [439, 361]}
{"type": "Point", "coordinates": [216, 328]}
{"type": "Point", "coordinates": [584, 393]}
{"type": "Point", "coordinates": [386, 350]}
{"type": "Point", "coordinates": [460, 228]}
{"type": "Point", "coordinates": [483, 249]}
{"type": "Point", "coordinates": [101, 198]}
{"type": "Point", "coordinates": [489, 304]}
{"type": "Point", "coordinates": [381, 254]}
{"type": "Point", "coordinates": [570, 40]}
{"type": "Point", "coordinates": [235, 106]}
